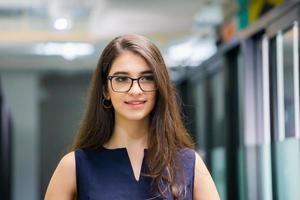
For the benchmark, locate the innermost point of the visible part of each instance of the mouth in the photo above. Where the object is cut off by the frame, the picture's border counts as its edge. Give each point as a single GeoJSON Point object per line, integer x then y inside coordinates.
{"type": "Point", "coordinates": [135, 104]}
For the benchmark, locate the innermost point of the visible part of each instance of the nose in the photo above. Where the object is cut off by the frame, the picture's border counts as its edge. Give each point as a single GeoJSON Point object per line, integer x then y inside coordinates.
{"type": "Point", "coordinates": [135, 88]}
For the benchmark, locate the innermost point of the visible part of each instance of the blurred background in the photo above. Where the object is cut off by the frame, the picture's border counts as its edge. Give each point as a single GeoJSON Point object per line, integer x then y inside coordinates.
{"type": "Point", "coordinates": [235, 64]}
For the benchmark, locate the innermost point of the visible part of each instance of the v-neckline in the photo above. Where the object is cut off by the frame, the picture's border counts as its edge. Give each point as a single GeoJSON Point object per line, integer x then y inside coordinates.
{"type": "Point", "coordinates": [131, 166]}
{"type": "Point", "coordinates": [142, 167]}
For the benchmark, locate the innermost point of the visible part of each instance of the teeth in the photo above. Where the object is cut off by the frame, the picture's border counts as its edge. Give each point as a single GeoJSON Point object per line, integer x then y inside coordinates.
{"type": "Point", "coordinates": [136, 102]}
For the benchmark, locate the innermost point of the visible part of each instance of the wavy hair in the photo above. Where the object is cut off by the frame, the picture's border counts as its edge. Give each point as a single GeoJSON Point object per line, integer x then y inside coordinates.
{"type": "Point", "coordinates": [167, 132]}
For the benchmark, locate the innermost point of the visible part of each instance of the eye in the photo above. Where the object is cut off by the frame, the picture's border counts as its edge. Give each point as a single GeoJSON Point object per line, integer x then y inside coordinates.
{"type": "Point", "coordinates": [121, 79]}
{"type": "Point", "coordinates": [149, 78]}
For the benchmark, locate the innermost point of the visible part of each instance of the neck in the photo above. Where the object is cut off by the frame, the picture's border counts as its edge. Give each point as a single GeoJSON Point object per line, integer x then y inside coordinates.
{"type": "Point", "coordinates": [130, 134]}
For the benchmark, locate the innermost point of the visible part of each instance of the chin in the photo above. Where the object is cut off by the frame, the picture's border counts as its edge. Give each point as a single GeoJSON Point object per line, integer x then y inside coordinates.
{"type": "Point", "coordinates": [135, 117]}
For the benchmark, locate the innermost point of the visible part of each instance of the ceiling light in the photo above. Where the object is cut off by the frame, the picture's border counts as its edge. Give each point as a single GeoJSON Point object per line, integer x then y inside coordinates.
{"type": "Point", "coordinates": [62, 24]}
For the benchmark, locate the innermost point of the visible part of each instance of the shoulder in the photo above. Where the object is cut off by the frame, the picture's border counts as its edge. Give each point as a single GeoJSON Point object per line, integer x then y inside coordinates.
{"type": "Point", "coordinates": [186, 160]}
{"type": "Point", "coordinates": [68, 160]}
{"type": "Point", "coordinates": [185, 152]}
{"type": "Point", "coordinates": [63, 181]}
{"type": "Point", "coordinates": [200, 166]}
{"type": "Point", "coordinates": [204, 186]}
{"type": "Point", "coordinates": [186, 156]}
{"type": "Point", "coordinates": [67, 164]}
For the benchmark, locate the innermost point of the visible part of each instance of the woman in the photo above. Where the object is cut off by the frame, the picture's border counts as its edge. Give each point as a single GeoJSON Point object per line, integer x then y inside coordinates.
{"type": "Point", "coordinates": [132, 143]}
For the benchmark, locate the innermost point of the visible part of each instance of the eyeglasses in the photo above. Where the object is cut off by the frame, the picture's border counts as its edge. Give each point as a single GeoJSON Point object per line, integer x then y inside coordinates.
{"type": "Point", "coordinates": [124, 83]}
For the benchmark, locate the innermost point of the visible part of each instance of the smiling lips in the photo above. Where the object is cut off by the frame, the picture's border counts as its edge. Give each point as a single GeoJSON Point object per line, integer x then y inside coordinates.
{"type": "Point", "coordinates": [135, 103]}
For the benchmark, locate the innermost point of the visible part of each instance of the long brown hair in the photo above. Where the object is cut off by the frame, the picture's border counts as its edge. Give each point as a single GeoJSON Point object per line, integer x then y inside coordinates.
{"type": "Point", "coordinates": [167, 132]}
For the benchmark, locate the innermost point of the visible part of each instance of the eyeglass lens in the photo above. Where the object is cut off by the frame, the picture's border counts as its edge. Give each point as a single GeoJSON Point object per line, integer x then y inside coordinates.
{"type": "Point", "coordinates": [124, 83]}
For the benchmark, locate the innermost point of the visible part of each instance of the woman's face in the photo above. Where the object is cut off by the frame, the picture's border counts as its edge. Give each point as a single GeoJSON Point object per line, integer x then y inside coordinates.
{"type": "Point", "coordinates": [134, 104]}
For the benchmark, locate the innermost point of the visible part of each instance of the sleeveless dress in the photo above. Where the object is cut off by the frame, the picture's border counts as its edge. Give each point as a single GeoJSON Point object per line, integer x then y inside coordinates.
{"type": "Point", "coordinates": [107, 174]}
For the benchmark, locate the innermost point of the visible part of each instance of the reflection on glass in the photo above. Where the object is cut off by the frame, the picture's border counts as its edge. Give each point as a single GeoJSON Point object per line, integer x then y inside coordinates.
{"type": "Point", "coordinates": [210, 117]}
{"type": "Point", "coordinates": [241, 149]}
{"type": "Point", "coordinates": [200, 107]}
{"type": "Point", "coordinates": [218, 109]}
{"type": "Point", "coordinates": [289, 103]}
{"type": "Point", "coordinates": [265, 147]}
{"type": "Point", "coordinates": [218, 132]}
{"type": "Point", "coordinates": [287, 172]}
{"type": "Point", "coordinates": [286, 151]}
{"type": "Point", "coordinates": [218, 157]}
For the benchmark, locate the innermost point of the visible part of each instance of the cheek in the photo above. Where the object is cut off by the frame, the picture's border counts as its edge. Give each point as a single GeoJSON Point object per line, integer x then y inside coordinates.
{"type": "Point", "coordinates": [153, 99]}
{"type": "Point", "coordinates": [115, 98]}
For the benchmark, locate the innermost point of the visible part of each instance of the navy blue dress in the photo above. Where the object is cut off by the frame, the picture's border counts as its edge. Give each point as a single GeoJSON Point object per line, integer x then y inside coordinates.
{"type": "Point", "coordinates": [106, 174]}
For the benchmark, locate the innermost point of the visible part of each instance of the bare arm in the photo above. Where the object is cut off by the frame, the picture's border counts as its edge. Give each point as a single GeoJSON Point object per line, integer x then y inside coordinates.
{"type": "Point", "coordinates": [204, 187]}
{"type": "Point", "coordinates": [63, 182]}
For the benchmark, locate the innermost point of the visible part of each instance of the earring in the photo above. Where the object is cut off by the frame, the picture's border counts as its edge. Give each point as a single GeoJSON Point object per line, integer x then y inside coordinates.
{"type": "Point", "coordinates": [106, 103]}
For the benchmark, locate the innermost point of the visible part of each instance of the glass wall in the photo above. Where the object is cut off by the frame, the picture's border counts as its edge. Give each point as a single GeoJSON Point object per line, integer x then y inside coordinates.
{"type": "Point", "coordinates": [218, 149]}
{"type": "Point", "coordinates": [209, 102]}
{"type": "Point", "coordinates": [246, 111]}
{"type": "Point", "coordinates": [285, 113]}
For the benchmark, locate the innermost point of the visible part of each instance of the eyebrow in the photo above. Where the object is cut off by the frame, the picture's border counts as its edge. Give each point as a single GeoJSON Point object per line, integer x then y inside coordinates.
{"type": "Point", "coordinates": [126, 73]}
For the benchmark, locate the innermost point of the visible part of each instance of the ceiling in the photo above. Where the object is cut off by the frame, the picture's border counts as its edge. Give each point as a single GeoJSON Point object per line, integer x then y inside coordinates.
{"type": "Point", "coordinates": [27, 23]}
{"type": "Point", "coordinates": [92, 20]}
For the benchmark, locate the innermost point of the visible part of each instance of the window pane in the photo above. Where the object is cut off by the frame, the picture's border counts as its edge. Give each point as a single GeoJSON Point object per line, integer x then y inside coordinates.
{"type": "Point", "coordinates": [289, 104]}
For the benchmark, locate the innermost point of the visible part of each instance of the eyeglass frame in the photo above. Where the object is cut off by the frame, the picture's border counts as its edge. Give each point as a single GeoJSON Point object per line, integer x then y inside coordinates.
{"type": "Point", "coordinates": [132, 80]}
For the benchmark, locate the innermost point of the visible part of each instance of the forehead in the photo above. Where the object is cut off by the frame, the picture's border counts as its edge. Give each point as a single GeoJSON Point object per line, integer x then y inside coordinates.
{"type": "Point", "coordinates": [129, 62]}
